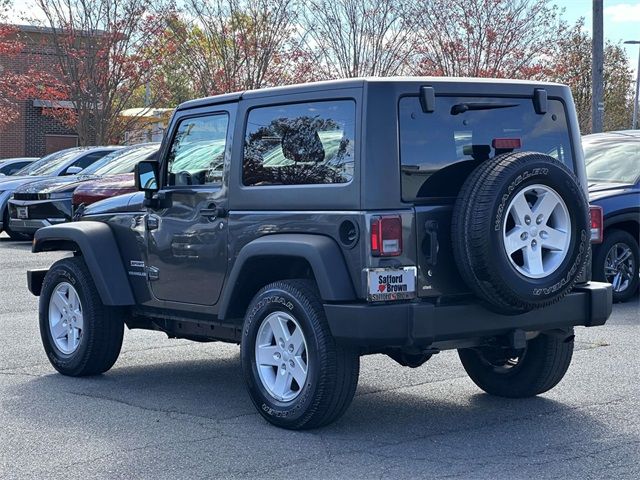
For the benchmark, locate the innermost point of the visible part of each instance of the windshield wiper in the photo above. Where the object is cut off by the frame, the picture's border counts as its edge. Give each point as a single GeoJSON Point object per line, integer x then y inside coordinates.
{"type": "Point", "coordinates": [464, 107]}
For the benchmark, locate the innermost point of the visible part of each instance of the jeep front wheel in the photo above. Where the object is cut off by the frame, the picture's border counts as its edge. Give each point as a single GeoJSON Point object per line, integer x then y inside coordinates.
{"type": "Point", "coordinates": [81, 336]}
{"type": "Point", "coordinates": [296, 374]}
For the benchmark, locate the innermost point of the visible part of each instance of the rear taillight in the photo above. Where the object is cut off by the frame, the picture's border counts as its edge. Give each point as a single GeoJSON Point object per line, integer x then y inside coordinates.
{"type": "Point", "coordinates": [386, 236]}
{"type": "Point", "coordinates": [596, 219]}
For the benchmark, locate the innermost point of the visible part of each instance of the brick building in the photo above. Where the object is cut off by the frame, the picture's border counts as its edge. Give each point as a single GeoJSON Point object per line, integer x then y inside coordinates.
{"type": "Point", "coordinates": [34, 134]}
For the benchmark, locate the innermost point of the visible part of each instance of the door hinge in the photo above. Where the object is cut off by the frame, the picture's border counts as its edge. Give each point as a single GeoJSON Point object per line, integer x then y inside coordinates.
{"type": "Point", "coordinates": [153, 273]}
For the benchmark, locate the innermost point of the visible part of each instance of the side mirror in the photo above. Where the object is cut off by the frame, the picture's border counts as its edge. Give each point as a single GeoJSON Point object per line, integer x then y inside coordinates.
{"type": "Point", "coordinates": [146, 176]}
{"type": "Point", "coordinates": [73, 170]}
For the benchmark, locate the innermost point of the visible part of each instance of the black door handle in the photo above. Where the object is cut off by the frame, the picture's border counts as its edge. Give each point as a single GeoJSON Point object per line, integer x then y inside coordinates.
{"type": "Point", "coordinates": [213, 211]}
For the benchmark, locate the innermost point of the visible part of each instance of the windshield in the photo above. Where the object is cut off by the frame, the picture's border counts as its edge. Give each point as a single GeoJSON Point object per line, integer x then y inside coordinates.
{"type": "Point", "coordinates": [47, 165]}
{"type": "Point", "coordinates": [612, 160]}
{"type": "Point", "coordinates": [120, 161]}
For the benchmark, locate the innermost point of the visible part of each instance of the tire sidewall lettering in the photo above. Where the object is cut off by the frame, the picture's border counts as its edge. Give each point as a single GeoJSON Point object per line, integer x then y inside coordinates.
{"type": "Point", "coordinates": [265, 305]}
{"type": "Point", "coordinates": [535, 172]}
{"type": "Point", "coordinates": [537, 290]}
{"type": "Point", "coordinates": [479, 246]}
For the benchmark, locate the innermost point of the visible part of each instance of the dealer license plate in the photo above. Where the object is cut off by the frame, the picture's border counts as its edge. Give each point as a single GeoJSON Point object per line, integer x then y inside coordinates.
{"type": "Point", "coordinates": [23, 213]}
{"type": "Point", "coordinates": [391, 284]}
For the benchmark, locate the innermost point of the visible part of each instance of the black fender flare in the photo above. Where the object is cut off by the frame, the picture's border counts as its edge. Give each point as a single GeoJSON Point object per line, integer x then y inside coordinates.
{"type": "Point", "coordinates": [97, 245]}
{"type": "Point", "coordinates": [321, 252]}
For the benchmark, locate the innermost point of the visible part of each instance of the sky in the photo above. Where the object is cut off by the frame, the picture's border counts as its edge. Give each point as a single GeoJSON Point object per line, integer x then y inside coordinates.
{"type": "Point", "coordinates": [621, 19]}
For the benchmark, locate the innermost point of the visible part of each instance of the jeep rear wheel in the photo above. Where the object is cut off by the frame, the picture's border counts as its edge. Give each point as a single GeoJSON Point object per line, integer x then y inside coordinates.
{"type": "Point", "coordinates": [296, 374]}
{"type": "Point", "coordinates": [520, 231]}
{"type": "Point", "coordinates": [80, 335]}
{"type": "Point", "coordinates": [522, 373]}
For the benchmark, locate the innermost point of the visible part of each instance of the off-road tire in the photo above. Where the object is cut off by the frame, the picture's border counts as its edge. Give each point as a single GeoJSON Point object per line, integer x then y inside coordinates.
{"type": "Point", "coordinates": [543, 364]}
{"type": "Point", "coordinates": [333, 369]}
{"type": "Point", "coordinates": [103, 326]}
{"type": "Point", "coordinates": [611, 237]}
{"type": "Point", "coordinates": [477, 236]}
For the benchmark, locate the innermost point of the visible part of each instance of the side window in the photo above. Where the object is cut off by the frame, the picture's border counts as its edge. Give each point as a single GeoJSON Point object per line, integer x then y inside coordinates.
{"type": "Point", "coordinates": [196, 156]}
{"type": "Point", "coordinates": [298, 144]}
{"type": "Point", "coordinates": [90, 158]}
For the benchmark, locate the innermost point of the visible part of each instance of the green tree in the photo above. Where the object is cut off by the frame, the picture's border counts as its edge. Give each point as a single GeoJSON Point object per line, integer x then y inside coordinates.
{"type": "Point", "coordinates": [572, 65]}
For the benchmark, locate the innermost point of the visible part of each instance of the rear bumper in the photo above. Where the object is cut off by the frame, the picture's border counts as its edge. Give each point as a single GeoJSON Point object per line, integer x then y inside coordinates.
{"type": "Point", "coordinates": [424, 324]}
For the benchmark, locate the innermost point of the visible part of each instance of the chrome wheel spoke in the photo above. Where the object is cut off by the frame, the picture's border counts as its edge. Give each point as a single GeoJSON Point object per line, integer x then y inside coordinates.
{"type": "Point", "coordinates": [279, 328]}
{"type": "Point", "coordinates": [533, 260]}
{"type": "Point", "coordinates": [521, 210]}
{"type": "Point", "coordinates": [79, 320]}
{"type": "Point", "coordinates": [281, 356]}
{"type": "Point", "coordinates": [267, 355]}
{"type": "Point", "coordinates": [545, 206]}
{"type": "Point", "coordinates": [65, 318]}
{"type": "Point", "coordinates": [58, 330]}
{"type": "Point", "coordinates": [536, 238]}
{"type": "Point", "coordinates": [626, 253]}
{"type": "Point", "coordinates": [59, 299]}
{"type": "Point", "coordinates": [282, 383]}
{"type": "Point", "coordinates": [618, 266]}
{"type": "Point", "coordinates": [617, 280]}
{"type": "Point", "coordinates": [553, 239]}
{"type": "Point", "coordinates": [514, 240]}
{"type": "Point", "coordinates": [299, 371]}
{"type": "Point", "coordinates": [72, 339]}
{"type": "Point", "coordinates": [297, 341]}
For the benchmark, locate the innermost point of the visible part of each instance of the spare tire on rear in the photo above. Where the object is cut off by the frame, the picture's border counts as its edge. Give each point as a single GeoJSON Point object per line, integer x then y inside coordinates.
{"type": "Point", "coordinates": [520, 231]}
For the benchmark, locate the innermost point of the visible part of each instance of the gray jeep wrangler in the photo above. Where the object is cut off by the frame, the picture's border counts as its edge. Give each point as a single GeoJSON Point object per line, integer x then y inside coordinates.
{"type": "Point", "coordinates": [313, 224]}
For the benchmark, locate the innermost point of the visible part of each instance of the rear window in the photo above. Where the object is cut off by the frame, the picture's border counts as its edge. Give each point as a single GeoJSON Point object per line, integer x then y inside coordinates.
{"type": "Point", "coordinates": [438, 150]}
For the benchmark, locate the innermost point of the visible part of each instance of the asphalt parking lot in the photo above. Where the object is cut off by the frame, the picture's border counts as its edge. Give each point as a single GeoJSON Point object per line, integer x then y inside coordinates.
{"type": "Point", "coordinates": [178, 409]}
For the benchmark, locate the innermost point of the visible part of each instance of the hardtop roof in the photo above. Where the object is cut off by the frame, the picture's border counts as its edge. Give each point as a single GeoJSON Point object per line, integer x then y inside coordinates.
{"type": "Point", "coordinates": [360, 83]}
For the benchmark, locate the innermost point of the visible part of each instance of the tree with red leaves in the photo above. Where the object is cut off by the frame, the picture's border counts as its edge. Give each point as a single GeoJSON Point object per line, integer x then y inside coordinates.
{"type": "Point", "coordinates": [9, 91]}
{"type": "Point", "coordinates": [20, 80]}
{"type": "Point", "coordinates": [230, 45]}
{"type": "Point", "coordinates": [488, 38]}
{"type": "Point", "coordinates": [104, 57]}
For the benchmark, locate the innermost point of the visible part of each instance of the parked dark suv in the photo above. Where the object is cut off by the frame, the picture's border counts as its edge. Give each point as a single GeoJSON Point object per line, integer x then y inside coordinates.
{"type": "Point", "coordinates": [317, 223]}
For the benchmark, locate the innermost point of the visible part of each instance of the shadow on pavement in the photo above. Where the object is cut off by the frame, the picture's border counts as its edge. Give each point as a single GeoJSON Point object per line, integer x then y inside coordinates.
{"type": "Point", "coordinates": [214, 391]}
